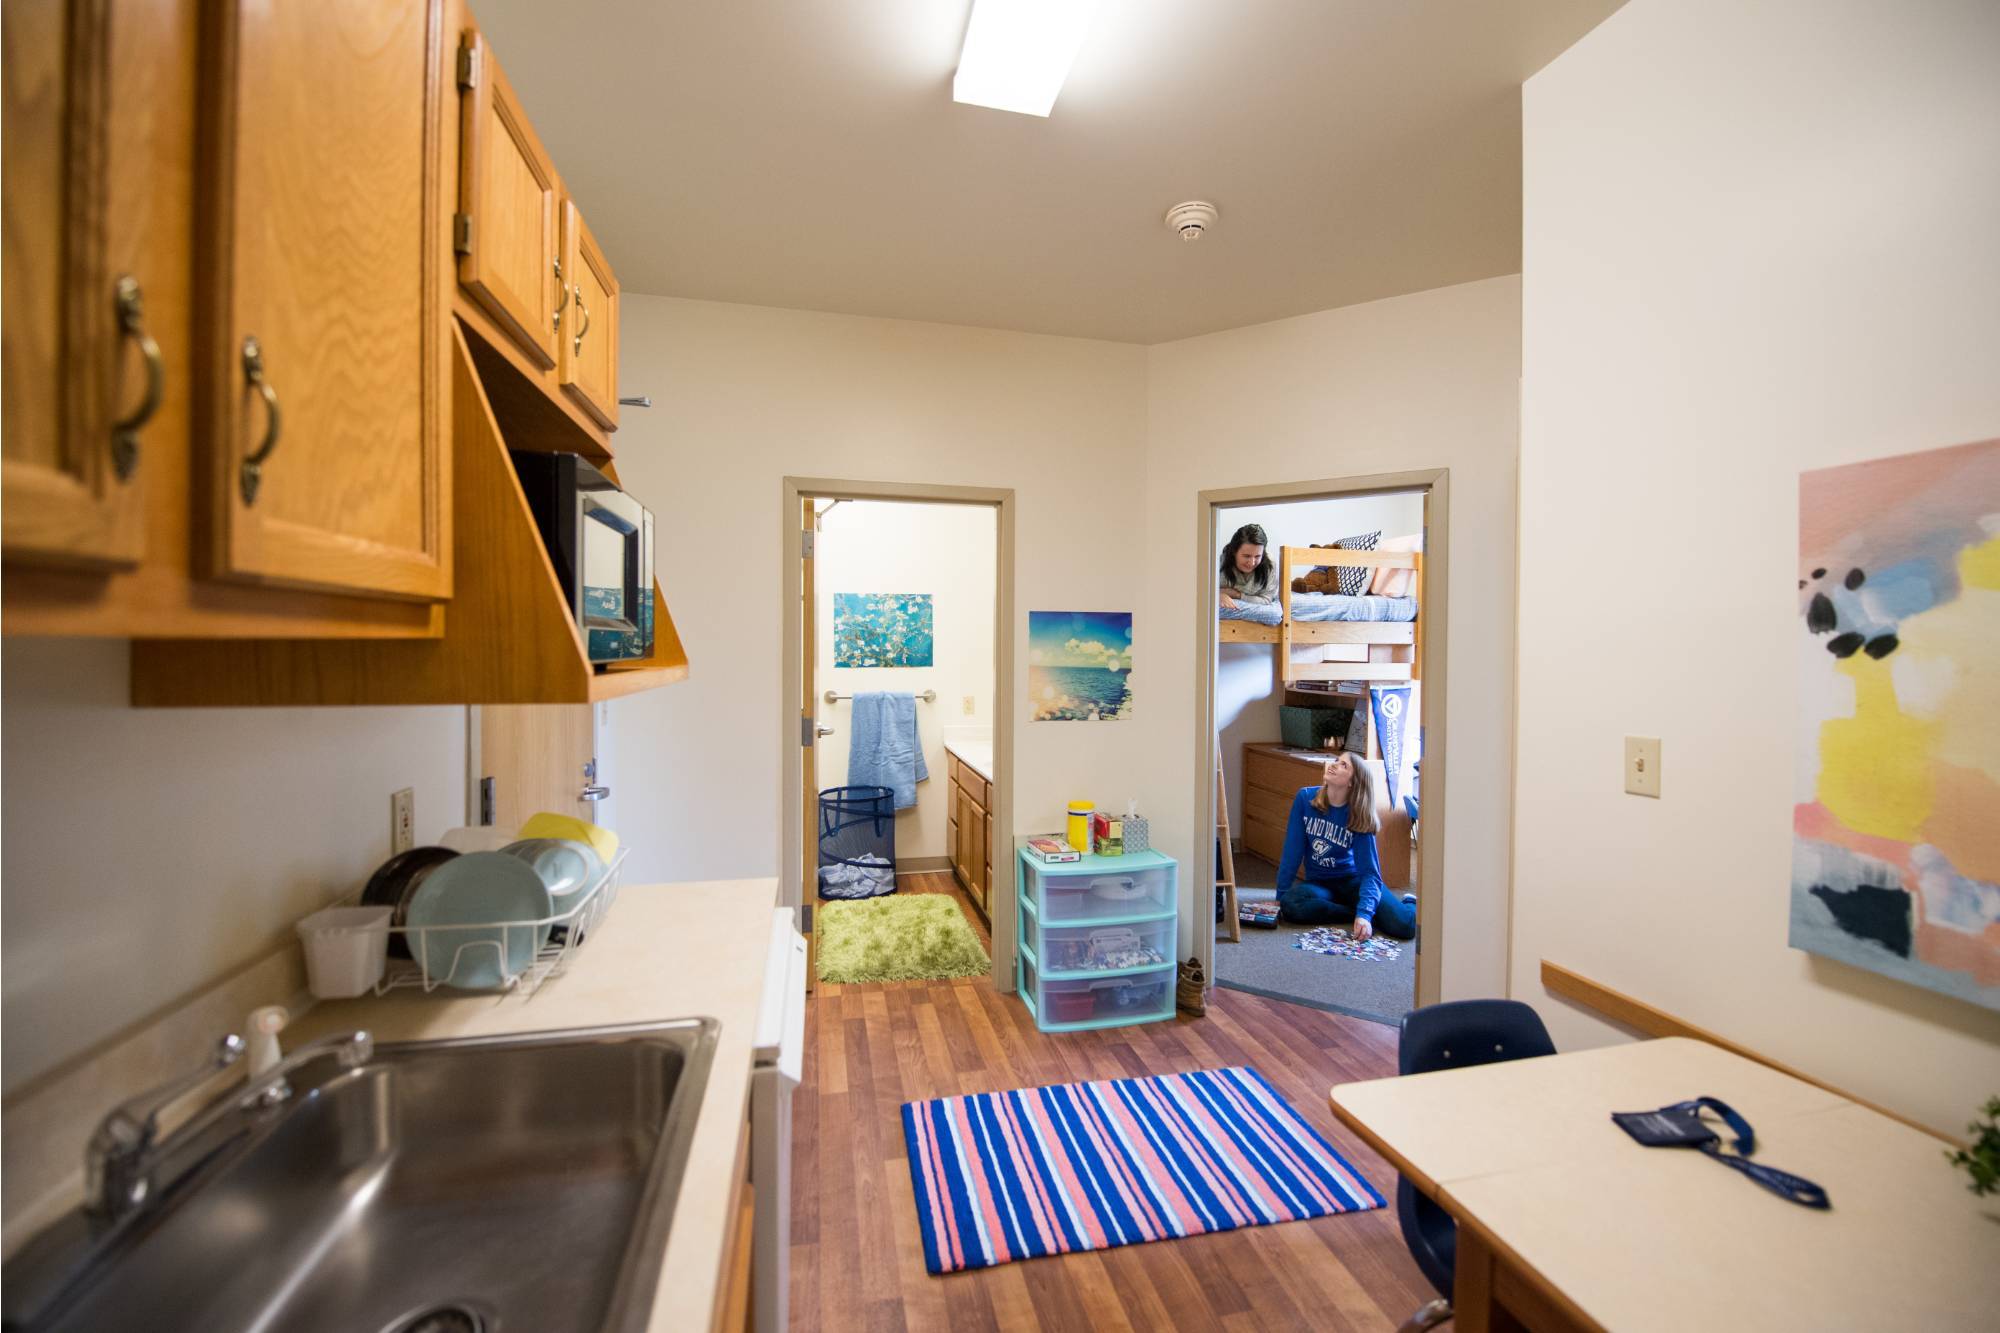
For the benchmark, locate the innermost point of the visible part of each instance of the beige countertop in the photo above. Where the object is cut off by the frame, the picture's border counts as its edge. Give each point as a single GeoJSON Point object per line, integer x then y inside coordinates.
{"type": "Point", "coordinates": [694, 950]}
{"type": "Point", "coordinates": [976, 755]}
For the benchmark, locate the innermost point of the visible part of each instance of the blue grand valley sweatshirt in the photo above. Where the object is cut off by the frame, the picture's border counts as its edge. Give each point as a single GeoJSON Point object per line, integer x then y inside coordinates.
{"type": "Point", "coordinates": [1321, 846]}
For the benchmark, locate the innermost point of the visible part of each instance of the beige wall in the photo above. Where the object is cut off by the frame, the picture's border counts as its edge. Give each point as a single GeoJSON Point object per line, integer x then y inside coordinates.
{"type": "Point", "coordinates": [1760, 239]}
{"type": "Point", "coordinates": [746, 396]}
{"type": "Point", "coordinates": [1423, 381]}
{"type": "Point", "coordinates": [147, 852]}
{"type": "Point", "coordinates": [948, 552]}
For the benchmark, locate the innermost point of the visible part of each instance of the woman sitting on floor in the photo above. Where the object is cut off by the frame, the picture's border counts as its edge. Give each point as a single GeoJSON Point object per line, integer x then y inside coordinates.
{"type": "Point", "coordinates": [1330, 853]}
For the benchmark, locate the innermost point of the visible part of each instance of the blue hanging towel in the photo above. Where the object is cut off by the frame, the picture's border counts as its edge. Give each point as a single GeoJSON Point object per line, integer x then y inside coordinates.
{"type": "Point", "coordinates": [884, 750]}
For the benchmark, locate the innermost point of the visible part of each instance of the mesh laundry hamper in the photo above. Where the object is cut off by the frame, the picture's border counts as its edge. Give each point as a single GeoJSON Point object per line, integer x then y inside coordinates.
{"type": "Point", "coordinates": [857, 842]}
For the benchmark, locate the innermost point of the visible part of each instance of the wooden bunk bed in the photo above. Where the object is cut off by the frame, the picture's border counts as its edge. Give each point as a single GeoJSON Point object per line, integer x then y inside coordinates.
{"type": "Point", "coordinates": [1394, 647]}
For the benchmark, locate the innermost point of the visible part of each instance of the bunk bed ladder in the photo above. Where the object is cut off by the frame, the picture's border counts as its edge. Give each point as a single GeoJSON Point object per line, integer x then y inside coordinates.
{"type": "Point", "coordinates": [1225, 882]}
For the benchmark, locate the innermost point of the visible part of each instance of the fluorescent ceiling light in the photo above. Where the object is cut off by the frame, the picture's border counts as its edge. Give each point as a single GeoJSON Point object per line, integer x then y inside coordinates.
{"type": "Point", "coordinates": [1018, 52]}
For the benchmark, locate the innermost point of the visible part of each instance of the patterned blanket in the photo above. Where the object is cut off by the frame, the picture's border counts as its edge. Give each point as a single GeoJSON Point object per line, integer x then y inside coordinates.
{"type": "Point", "coordinates": [1308, 606]}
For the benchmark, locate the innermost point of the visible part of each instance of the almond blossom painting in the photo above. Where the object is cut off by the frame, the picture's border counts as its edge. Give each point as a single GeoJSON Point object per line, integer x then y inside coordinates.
{"type": "Point", "coordinates": [882, 629]}
{"type": "Point", "coordinates": [1896, 815]}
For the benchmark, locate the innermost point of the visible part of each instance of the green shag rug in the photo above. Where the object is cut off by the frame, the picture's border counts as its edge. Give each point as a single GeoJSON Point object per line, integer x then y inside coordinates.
{"type": "Point", "coordinates": [922, 937]}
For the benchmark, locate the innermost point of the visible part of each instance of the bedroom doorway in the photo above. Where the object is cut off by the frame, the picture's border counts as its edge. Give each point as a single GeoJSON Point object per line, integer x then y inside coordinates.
{"type": "Point", "coordinates": [1305, 660]}
{"type": "Point", "coordinates": [896, 785]}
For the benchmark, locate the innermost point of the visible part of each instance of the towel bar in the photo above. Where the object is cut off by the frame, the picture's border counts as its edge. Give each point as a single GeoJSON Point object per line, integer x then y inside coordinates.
{"type": "Point", "coordinates": [928, 696]}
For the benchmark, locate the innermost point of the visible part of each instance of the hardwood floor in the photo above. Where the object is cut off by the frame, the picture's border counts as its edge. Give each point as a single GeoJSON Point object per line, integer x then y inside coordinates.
{"type": "Point", "coordinates": [857, 1260]}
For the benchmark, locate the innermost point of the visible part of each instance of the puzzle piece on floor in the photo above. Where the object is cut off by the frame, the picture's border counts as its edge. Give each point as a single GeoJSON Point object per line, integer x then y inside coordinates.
{"type": "Point", "coordinates": [1335, 942]}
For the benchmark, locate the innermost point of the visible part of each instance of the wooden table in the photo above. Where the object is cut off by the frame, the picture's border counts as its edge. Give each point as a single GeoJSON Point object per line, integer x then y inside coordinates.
{"type": "Point", "coordinates": [1565, 1223]}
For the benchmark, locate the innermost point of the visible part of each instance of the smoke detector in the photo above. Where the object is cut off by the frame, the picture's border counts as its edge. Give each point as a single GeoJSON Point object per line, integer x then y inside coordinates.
{"type": "Point", "coordinates": [1191, 219]}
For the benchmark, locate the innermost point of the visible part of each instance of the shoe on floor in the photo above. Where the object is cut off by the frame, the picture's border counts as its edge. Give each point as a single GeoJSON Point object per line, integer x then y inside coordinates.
{"type": "Point", "coordinates": [1191, 990]}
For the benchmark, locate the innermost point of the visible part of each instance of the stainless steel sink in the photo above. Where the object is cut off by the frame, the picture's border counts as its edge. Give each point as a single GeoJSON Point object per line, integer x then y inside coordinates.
{"type": "Point", "coordinates": [514, 1185]}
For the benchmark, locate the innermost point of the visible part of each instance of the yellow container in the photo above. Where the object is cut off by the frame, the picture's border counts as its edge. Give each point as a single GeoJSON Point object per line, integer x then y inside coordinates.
{"type": "Point", "coordinates": [1079, 825]}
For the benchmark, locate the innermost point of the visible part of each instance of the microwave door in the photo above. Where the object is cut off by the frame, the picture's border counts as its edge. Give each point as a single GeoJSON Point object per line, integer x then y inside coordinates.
{"type": "Point", "coordinates": [608, 613]}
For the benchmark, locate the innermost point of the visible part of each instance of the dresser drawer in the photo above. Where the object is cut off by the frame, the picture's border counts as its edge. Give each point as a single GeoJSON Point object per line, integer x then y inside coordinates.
{"type": "Point", "coordinates": [1265, 839]}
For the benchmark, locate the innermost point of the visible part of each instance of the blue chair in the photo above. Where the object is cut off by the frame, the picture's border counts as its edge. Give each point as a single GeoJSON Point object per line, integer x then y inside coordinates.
{"type": "Point", "coordinates": [1457, 1035]}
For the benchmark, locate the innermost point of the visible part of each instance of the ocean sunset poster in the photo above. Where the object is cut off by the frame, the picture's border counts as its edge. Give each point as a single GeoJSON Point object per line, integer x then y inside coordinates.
{"type": "Point", "coordinates": [1079, 666]}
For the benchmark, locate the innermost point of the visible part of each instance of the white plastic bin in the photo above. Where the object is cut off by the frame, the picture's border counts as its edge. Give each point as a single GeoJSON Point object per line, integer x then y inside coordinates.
{"type": "Point", "coordinates": [346, 950]}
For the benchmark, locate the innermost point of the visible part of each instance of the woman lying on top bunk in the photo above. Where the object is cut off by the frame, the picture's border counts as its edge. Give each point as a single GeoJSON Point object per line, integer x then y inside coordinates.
{"type": "Point", "coordinates": [1248, 576]}
{"type": "Point", "coordinates": [1329, 871]}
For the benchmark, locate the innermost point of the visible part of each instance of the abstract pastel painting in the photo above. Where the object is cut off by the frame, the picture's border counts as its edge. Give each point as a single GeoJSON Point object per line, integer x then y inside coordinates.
{"type": "Point", "coordinates": [1896, 815]}
{"type": "Point", "coordinates": [882, 629]}
{"type": "Point", "coordinates": [1079, 666]}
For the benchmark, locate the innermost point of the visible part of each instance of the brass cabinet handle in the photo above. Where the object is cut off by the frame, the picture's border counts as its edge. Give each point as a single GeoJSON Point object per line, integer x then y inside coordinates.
{"type": "Point", "coordinates": [131, 324]}
{"type": "Point", "coordinates": [563, 288]}
{"type": "Point", "coordinates": [584, 310]}
{"type": "Point", "coordinates": [253, 375]}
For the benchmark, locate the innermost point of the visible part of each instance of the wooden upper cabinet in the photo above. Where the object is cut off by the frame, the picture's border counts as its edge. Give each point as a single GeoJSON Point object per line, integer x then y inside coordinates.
{"type": "Point", "coordinates": [507, 231]}
{"type": "Point", "coordinates": [589, 367]}
{"type": "Point", "coordinates": [323, 389]}
{"type": "Point", "coordinates": [82, 372]}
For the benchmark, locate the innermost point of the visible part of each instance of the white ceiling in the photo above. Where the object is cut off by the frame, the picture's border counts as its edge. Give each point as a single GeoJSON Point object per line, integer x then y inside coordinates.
{"type": "Point", "coordinates": [807, 153]}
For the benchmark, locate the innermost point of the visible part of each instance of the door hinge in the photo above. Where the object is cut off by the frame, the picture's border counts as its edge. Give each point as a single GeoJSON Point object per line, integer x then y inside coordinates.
{"type": "Point", "coordinates": [461, 233]}
{"type": "Point", "coordinates": [806, 726]}
{"type": "Point", "coordinates": [468, 65]}
{"type": "Point", "coordinates": [806, 544]}
{"type": "Point", "coordinates": [485, 801]}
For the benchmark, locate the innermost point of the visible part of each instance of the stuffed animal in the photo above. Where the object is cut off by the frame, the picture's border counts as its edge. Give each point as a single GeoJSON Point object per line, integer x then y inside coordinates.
{"type": "Point", "coordinates": [1324, 578]}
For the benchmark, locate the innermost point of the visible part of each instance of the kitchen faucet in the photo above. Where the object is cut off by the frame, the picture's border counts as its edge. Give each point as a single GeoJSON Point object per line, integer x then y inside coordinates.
{"type": "Point", "coordinates": [119, 1160]}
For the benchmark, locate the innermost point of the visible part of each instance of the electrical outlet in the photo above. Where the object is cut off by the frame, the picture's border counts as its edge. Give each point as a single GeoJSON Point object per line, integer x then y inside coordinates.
{"type": "Point", "coordinates": [967, 709]}
{"type": "Point", "coordinates": [403, 820]}
{"type": "Point", "coordinates": [1642, 765]}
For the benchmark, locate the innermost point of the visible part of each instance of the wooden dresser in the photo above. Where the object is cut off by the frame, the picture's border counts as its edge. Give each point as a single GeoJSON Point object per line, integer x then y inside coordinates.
{"type": "Point", "coordinates": [1272, 775]}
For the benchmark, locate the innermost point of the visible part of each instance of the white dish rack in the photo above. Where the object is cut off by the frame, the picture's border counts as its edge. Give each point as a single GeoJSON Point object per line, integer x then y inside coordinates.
{"type": "Point", "coordinates": [566, 932]}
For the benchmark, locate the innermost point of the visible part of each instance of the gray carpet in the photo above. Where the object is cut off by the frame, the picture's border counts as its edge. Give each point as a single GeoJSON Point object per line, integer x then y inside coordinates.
{"type": "Point", "coordinates": [1266, 963]}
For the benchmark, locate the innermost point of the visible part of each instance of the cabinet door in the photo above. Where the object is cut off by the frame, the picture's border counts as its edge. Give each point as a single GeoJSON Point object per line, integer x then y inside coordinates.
{"type": "Point", "coordinates": [987, 865]}
{"type": "Point", "coordinates": [509, 255]}
{"type": "Point", "coordinates": [81, 375]}
{"type": "Point", "coordinates": [951, 823]}
{"type": "Point", "coordinates": [323, 388]}
{"type": "Point", "coordinates": [982, 875]}
{"type": "Point", "coordinates": [962, 843]}
{"type": "Point", "coordinates": [589, 350]}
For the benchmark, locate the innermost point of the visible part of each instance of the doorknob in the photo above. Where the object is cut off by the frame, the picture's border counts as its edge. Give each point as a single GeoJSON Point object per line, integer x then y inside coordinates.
{"type": "Point", "coordinates": [594, 794]}
{"type": "Point", "coordinates": [823, 731]}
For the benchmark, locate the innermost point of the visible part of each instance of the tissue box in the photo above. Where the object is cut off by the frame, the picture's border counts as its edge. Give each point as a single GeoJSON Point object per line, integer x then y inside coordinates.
{"type": "Point", "coordinates": [1138, 834]}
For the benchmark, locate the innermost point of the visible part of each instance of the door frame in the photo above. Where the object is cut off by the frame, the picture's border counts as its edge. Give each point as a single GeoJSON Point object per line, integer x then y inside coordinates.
{"type": "Point", "coordinates": [1436, 483]}
{"type": "Point", "coordinates": [791, 815]}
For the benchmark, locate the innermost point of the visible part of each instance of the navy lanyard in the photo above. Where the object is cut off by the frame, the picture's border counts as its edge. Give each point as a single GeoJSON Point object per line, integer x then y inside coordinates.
{"type": "Point", "coordinates": [1680, 1125]}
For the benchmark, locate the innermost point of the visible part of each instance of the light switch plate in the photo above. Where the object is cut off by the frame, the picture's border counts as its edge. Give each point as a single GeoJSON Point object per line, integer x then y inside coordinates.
{"type": "Point", "coordinates": [1642, 765]}
{"type": "Point", "coordinates": [968, 706]}
{"type": "Point", "coordinates": [402, 820]}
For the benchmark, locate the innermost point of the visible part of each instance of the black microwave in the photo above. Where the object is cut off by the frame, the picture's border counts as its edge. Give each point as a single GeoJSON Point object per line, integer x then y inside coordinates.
{"type": "Point", "coordinates": [601, 543]}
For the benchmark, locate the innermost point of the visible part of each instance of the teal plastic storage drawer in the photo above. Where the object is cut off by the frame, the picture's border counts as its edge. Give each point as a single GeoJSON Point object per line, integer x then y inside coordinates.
{"type": "Point", "coordinates": [1105, 894]}
{"type": "Point", "coordinates": [1094, 951]}
{"type": "Point", "coordinates": [1103, 1002]}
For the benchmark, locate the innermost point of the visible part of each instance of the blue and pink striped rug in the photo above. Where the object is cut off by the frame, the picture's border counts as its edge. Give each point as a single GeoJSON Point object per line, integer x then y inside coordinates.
{"type": "Point", "coordinates": [1001, 1176]}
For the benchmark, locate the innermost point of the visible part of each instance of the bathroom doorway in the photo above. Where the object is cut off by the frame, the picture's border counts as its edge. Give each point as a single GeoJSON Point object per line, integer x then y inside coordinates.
{"type": "Point", "coordinates": [897, 778]}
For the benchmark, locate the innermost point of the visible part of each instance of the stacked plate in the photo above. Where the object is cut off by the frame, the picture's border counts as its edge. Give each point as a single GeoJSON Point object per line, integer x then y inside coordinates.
{"type": "Point", "coordinates": [478, 919]}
